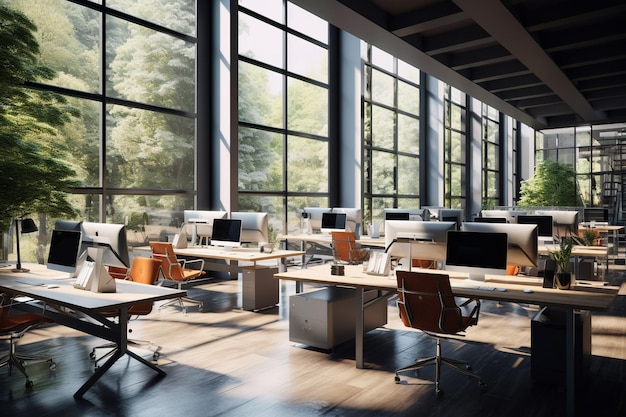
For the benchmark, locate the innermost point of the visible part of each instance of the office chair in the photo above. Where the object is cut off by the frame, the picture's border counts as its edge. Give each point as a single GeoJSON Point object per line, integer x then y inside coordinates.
{"type": "Point", "coordinates": [12, 327]}
{"type": "Point", "coordinates": [345, 249]}
{"type": "Point", "coordinates": [176, 270]}
{"type": "Point", "coordinates": [426, 303]}
{"type": "Point", "coordinates": [144, 271]}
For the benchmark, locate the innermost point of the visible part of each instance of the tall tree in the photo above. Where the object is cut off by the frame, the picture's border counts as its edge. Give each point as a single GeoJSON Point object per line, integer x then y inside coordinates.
{"type": "Point", "coordinates": [554, 184]}
{"type": "Point", "coordinates": [33, 176]}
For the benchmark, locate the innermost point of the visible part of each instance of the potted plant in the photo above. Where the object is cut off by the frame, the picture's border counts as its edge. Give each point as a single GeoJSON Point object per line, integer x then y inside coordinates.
{"type": "Point", "coordinates": [562, 258]}
{"type": "Point", "coordinates": [590, 237]}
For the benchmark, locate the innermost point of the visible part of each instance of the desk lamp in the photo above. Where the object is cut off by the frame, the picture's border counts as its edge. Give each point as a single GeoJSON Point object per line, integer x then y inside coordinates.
{"type": "Point", "coordinates": [28, 226]}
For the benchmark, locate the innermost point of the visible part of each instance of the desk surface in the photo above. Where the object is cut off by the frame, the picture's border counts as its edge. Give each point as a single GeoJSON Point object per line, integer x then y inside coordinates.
{"type": "Point", "coordinates": [236, 254]}
{"type": "Point", "coordinates": [577, 250]}
{"type": "Point", "coordinates": [35, 284]}
{"type": "Point", "coordinates": [592, 296]}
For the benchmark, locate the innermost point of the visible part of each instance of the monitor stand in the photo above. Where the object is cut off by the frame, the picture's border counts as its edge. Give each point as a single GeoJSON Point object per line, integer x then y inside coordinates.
{"type": "Point", "coordinates": [93, 275]}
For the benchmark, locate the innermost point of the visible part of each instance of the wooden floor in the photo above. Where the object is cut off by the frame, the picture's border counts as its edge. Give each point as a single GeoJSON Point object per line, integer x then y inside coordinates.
{"type": "Point", "coordinates": [223, 361]}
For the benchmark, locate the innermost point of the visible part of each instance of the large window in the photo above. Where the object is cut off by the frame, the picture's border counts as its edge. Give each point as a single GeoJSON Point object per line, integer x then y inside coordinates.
{"type": "Point", "coordinates": [455, 157]}
{"type": "Point", "coordinates": [391, 163]}
{"type": "Point", "coordinates": [133, 146]}
{"type": "Point", "coordinates": [283, 111]}
{"type": "Point", "coordinates": [491, 157]}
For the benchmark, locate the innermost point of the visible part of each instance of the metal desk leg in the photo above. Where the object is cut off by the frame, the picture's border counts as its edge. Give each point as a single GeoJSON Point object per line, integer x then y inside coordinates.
{"type": "Point", "coordinates": [360, 327]}
{"type": "Point", "coordinates": [570, 370]}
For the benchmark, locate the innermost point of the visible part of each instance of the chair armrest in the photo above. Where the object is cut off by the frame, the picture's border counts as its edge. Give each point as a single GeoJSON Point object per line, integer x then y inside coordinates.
{"type": "Point", "coordinates": [193, 261]}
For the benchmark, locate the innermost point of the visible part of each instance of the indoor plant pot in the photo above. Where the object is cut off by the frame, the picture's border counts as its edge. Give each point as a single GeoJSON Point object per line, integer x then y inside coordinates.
{"type": "Point", "coordinates": [563, 276]}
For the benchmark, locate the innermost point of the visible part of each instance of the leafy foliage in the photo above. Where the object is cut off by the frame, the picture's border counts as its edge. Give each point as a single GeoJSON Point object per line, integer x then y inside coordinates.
{"type": "Point", "coordinates": [554, 184]}
{"type": "Point", "coordinates": [563, 255]}
{"type": "Point", "coordinates": [33, 175]}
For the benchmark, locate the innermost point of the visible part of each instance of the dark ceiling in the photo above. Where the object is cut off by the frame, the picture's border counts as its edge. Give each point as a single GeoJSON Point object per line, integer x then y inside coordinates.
{"type": "Point", "coordinates": [547, 63]}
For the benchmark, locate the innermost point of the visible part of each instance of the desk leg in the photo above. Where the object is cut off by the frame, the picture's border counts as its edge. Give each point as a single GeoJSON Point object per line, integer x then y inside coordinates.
{"type": "Point", "coordinates": [122, 348]}
{"type": "Point", "coordinates": [570, 370]}
{"type": "Point", "coordinates": [360, 327]}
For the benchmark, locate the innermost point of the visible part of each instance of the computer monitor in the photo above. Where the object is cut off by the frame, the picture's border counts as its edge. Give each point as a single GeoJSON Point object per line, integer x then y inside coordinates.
{"type": "Point", "coordinates": [544, 224]}
{"type": "Point", "coordinates": [315, 217]}
{"type": "Point", "coordinates": [108, 234]}
{"type": "Point", "coordinates": [199, 223]}
{"type": "Point", "coordinates": [565, 222]}
{"type": "Point", "coordinates": [332, 222]}
{"type": "Point", "coordinates": [417, 239]}
{"type": "Point", "coordinates": [490, 220]}
{"type": "Point", "coordinates": [226, 232]}
{"type": "Point", "coordinates": [522, 240]}
{"type": "Point", "coordinates": [254, 226]}
{"type": "Point", "coordinates": [509, 215]}
{"type": "Point", "coordinates": [64, 251]}
{"type": "Point", "coordinates": [68, 225]}
{"type": "Point", "coordinates": [406, 214]}
{"type": "Point", "coordinates": [477, 253]}
{"type": "Point", "coordinates": [353, 219]}
{"type": "Point", "coordinates": [595, 214]}
{"type": "Point", "coordinates": [452, 215]}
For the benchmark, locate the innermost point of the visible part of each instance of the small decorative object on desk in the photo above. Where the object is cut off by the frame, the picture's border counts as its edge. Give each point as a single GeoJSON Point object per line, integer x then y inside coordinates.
{"type": "Point", "coordinates": [379, 263]}
{"type": "Point", "coordinates": [562, 258]}
{"type": "Point", "coordinates": [337, 269]}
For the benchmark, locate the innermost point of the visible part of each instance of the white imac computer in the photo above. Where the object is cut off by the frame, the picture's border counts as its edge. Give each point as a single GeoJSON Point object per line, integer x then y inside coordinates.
{"type": "Point", "coordinates": [565, 222]}
{"type": "Point", "coordinates": [477, 253]}
{"type": "Point", "coordinates": [111, 234]}
{"type": "Point", "coordinates": [522, 240]}
{"type": "Point", "coordinates": [509, 215]}
{"type": "Point", "coordinates": [226, 233]}
{"type": "Point", "coordinates": [334, 222]}
{"type": "Point", "coordinates": [198, 224]}
{"type": "Point", "coordinates": [417, 239]}
{"type": "Point", "coordinates": [353, 219]}
{"type": "Point", "coordinates": [452, 215]}
{"type": "Point", "coordinates": [315, 217]}
{"type": "Point", "coordinates": [544, 224]}
{"type": "Point", "coordinates": [254, 226]}
{"type": "Point", "coordinates": [64, 252]}
{"type": "Point", "coordinates": [406, 214]}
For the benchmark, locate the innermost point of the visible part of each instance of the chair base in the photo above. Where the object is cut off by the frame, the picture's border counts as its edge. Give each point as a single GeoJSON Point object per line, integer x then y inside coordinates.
{"type": "Point", "coordinates": [438, 360]}
{"type": "Point", "coordinates": [181, 302]}
{"type": "Point", "coordinates": [19, 360]}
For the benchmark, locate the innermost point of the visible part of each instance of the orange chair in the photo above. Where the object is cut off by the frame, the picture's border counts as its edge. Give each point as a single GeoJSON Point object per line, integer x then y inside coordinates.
{"type": "Point", "coordinates": [345, 249]}
{"type": "Point", "coordinates": [144, 271]}
{"type": "Point", "coordinates": [176, 270]}
{"type": "Point", "coordinates": [12, 327]}
{"type": "Point", "coordinates": [426, 302]}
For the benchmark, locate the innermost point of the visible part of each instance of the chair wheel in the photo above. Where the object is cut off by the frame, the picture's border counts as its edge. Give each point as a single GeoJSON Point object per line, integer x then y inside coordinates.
{"type": "Point", "coordinates": [397, 379]}
{"type": "Point", "coordinates": [29, 383]}
{"type": "Point", "coordinates": [92, 355]}
{"type": "Point", "coordinates": [53, 366]}
{"type": "Point", "coordinates": [155, 356]}
{"type": "Point", "coordinates": [482, 384]}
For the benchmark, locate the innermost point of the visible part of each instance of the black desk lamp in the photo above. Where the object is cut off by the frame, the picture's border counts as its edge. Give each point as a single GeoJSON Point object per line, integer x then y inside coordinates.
{"type": "Point", "coordinates": [28, 226]}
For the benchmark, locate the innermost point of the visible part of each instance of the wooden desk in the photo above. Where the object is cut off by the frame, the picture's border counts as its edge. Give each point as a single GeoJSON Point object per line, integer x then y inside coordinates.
{"type": "Point", "coordinates": [592, 296]}
{"type": "Point", "coordinates": [605, 228]}
{"type": "Point", "coordinates": [62, 304]}
{"type": "Point", "coordinates": [325, 239]}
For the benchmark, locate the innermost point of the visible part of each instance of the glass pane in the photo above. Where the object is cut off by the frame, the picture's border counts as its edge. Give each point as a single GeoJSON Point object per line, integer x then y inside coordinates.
{"type": "Point", "coordinates": [149, 67]}
{"type": "Point", "coordinates": [260, 96]}
{"type": "Point", "coordinates": [408, 175]}
{"type": "Point", "coordinates": [260, 41]}
{"type": "Point", "coordinates": [408, 98]}
{"type": "Point", "coordinates": [382, 88]}
{"type": "Point", "coordinates": [382, 59]}
{"type": "Point", "coordinates": [457, 183]}
{"type": "Point", "coordinates": [148, 217]}
{"type": "Point", "coordinates": [272, 9]}
{"type": "Point", "coordinates": [260, 163]}
{"type": "Point", "coordinates": [149, 150]}
{"type": "Point", "coordinates": [305, 22]}
{"type": "Point", "coordinates": [307, 59]}
{"type": "Point", "coordinates": [307, 109]}
{"type": "Point", "coordinates": [383, 173]}
{"type": "Point", "coordinates": [69, 41]}
{"type": "Point", "coordinates": [457, 153]}
{"type": "Point", "coordinates": [272, 205]}
{"type": "Point", "coordinates": [408, 72]}
{"type": "Point", "coordinates": [307, 165]}
{"type": "Point", "coordinates": [383, 128]}
{"type": "Point", "coordinates": [408, 134]}
{"type": "Point", "coordinates": [456, 117]}
{"type": "Point", "coordinates": [179, 15]}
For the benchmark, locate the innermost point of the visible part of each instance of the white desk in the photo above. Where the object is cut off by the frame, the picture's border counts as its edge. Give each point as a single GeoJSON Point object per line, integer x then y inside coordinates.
{"type": "Point", "coordinates": [259, 288]}
{"type": "Point", "coordinates": [592, 296]}
{"type": "Point", "coordinates": [58, 301]}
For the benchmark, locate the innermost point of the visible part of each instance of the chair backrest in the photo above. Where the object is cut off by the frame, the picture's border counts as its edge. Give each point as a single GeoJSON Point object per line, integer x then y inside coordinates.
{"type": "Point", "coordinates": [145, 270]}
{"type": "Point", "coordinates": [344, 246]}
{"type": "Point", "coordinates": [426, 302]}
{"type": "Point", "coordinates": [164, 252]}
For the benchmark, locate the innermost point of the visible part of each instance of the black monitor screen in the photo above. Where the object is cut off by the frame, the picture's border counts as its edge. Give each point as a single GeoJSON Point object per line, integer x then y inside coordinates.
{"type": "Point", "coordinates": [490, 219]}
{"type": "Point", "coordinates": [544, 224]}
{"type": "Point", "coordinates": [334, 221]}
{"type": "Point", "coordinates": [477, 249]}
{"type": "Point", "coordinates": [226, 230]}
{"type": "Point", "coordinates": [597, 214]}
{"type": "Point", "coordinates": [394, 215]}
{"type": "Point", "coordinates": [64, 250]}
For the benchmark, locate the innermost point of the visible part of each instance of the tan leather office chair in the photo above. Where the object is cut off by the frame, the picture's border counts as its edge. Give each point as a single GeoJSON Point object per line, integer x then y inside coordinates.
{"type": "Point", "coordinates": [176, 270]}
{"type": "Point", "coordinates": [13, 325]}
{"type": "Point", "coordinates": [345, 249]}
{"type": "Point", "coordinates": [144, 271]}
{"type": "Point", "coordinates": [426, 303]}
